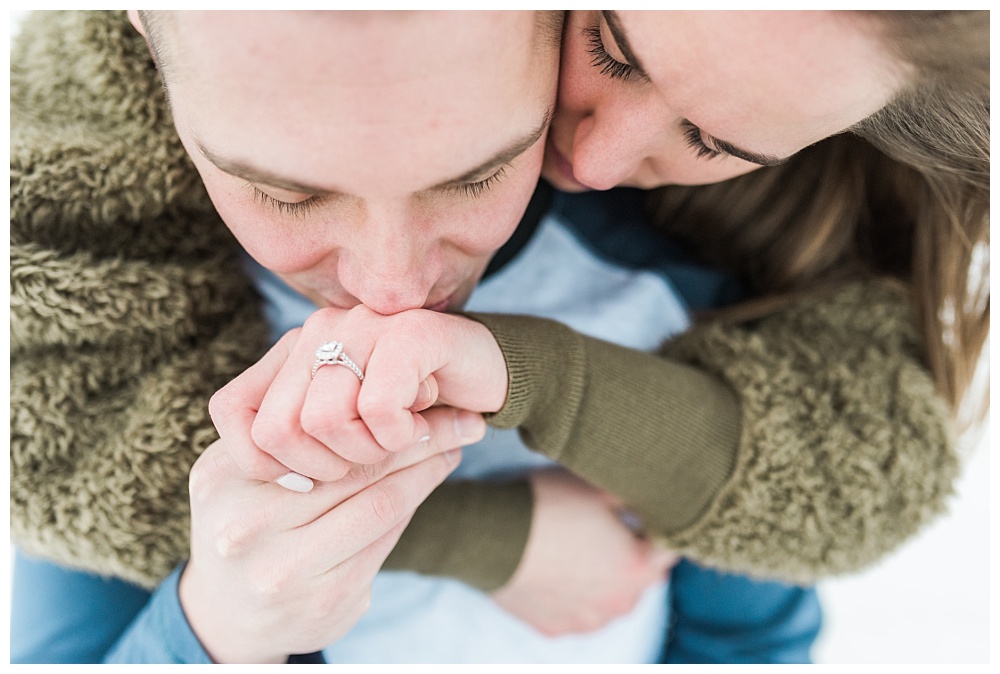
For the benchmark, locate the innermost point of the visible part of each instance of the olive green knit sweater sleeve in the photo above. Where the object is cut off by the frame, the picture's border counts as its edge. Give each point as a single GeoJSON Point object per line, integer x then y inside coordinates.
{"type": "Point", "coordinates": [471, 531]}
{"type": "Point", "coordinates": [807, 444]}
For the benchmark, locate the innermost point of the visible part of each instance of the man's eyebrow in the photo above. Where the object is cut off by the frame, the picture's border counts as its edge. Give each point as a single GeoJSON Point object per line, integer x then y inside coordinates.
{"type": "Point", "coordinates": [505, 156]}
{"type": "Point", "coordinates": [255, 175]}
{"type": "Point", "coordinates": [618, 33]}
{"type": "Point", "coordinates": [745, 155]}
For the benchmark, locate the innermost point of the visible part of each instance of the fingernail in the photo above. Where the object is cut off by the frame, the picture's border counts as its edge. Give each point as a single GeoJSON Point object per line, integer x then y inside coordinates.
{"type": "Point", "coordinates": [423, 394]}
{"type": "Point", "coordinates": [424, 439]}
{"type": "Point", "coordinates": [470, 426]}
{"type": "Point", "coordinates": [295, 482]}
{"type": "Point", "coordinates": [453, 456]}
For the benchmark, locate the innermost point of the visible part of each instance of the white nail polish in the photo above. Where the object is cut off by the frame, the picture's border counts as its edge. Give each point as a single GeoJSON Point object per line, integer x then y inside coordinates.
{"type": "Point", "coordinates": [295, 482]}
{"type": "Point", "coordinates": [424, 439]}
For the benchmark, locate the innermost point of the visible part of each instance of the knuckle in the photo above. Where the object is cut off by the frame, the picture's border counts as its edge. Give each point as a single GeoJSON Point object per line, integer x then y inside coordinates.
{"type": "Point", "coordinates": [333, 468]}
{"type": "Point", "coordinates": [368, 473]}
{"type": "Point", "coordinates": [271, 584]}
{"type": "Point", "coordinates": [223, 402]}
{"type": "Point", "coordinates": [371, 405]}
{"type": "Point", "coordinates": [316, 421]}
{"type": "Point", "coordinates": [321, 317]}
{"type": "Point", "coordinates": [386, 501]}
{"type": "Point", "coordinates": [200, 480]}
{"type": "Point", "coordinates": [270, 435]}
{"type": "Point", "coordinates": [254, 463]}
{"type": "Point", "coordinates": [238, 534]}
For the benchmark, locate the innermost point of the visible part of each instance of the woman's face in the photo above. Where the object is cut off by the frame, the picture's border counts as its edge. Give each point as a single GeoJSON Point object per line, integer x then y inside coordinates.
{"type": "Point", "coordinates": [657, 98]}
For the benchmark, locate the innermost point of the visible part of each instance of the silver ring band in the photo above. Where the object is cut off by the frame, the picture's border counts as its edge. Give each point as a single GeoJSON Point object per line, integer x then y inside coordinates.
{"type": "Point", "coordinates": [332, 353]}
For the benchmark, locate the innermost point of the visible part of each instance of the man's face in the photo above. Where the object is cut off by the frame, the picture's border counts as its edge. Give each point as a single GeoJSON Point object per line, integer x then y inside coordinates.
{"type": "Point", "coordinates": [365, 158]}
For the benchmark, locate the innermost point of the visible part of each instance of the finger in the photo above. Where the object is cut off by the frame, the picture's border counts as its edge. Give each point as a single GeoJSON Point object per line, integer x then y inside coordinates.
{"type": "Point", "coordinates": [330, 415]}
{"type": "Point", "coordinates": [356, 523]}
{"type": "Point", "coordinates": [279, 426]}
{"type": "Point", "coordinates": [400, 380]}
{"type": "Point", "coordinates": [361, 568]}
{"type": "Point", "coordinates": [448, 427]}
{"type": "Point", "coordinates": [328, 495]}
{"type": "Point", "coordinates": [309, 418]}
{"type": "Point", "coordinates": [444, 437]}
{"type": "Point", "coordinates": [234, 409]}
{"type": "Point", "coordinates": [427, 394]}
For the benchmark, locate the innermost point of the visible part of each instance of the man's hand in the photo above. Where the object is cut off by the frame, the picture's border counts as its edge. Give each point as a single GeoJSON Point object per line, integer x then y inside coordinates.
{"type": "Point", "coordinates": [582, 567]}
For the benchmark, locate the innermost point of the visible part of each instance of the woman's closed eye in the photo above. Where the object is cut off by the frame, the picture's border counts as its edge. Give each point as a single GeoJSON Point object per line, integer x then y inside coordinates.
{"type": "Point", "coordinates": [696, 142]}
{"type": "Point", "coordinates": [609, 65]}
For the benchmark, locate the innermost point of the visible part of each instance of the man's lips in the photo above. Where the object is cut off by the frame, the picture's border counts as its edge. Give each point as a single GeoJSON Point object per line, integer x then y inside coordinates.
{"type": "Point", "coordinates": [561, 163]}
{"type": "Point", "coordinates": [441, 306]}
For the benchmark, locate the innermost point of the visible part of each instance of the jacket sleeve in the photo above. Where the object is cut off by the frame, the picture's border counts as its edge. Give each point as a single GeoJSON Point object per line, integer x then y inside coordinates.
{"type": "Point", "coordinates": [722, 618]}
{"type": "Point", "coordinates": [66, 616]}
{"type": "Point", "coordinates": [807, 444]}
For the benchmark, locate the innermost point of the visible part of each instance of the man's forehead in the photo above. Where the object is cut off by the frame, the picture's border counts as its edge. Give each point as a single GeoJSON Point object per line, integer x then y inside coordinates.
{"type": "Point", "coordinates": [382, 104]}
{"type": "Point", "coordinates": [389, 42]}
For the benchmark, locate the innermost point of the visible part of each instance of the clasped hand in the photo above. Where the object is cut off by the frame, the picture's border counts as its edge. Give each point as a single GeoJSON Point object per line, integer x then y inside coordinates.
{"type": "Point", "coordinates": [319, 426]}
{"type": "Point", "coordinates": [273, 572]}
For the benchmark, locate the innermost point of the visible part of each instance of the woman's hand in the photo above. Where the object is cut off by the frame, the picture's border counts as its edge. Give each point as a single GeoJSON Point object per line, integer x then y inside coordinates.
{"type": "Point", "coordinates": [411, 360]}
{"type": "Point", "coordinates": [582, 566]}
{"type": "Point", "coordinates": [274, 572]}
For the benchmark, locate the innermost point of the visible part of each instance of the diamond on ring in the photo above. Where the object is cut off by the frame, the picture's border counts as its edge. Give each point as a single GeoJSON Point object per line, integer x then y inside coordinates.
{"type": "Point", "coordinates": [332, 353]}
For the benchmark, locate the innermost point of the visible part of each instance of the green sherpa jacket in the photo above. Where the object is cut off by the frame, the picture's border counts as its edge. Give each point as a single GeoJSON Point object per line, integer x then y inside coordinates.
{"type": "Point", "coordinates": [807, 444]}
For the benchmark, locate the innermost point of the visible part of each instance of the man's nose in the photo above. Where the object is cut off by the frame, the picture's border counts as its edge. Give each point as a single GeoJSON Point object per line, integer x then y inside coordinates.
{"type": "Point", "coordinates": [392, 262]}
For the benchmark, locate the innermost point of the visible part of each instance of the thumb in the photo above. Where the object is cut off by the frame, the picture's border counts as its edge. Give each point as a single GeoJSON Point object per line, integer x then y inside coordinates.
{"type": "Point", "coordinates": [427, 394]}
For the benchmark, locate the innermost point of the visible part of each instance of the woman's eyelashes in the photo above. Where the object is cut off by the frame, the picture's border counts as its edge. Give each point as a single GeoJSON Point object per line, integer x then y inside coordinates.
{"type": "Point", "coordinates": [696, 142]}
{"type": "Point", "coordinates": [609, 66]}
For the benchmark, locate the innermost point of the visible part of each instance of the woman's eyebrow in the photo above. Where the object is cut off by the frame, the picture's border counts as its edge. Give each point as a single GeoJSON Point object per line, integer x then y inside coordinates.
{"type": "Point", "coordinates": [618, 33]}
{"type": "Point", "coordinates": [505, 156]}
{"type": "Point", "coordinates": [745, 155]}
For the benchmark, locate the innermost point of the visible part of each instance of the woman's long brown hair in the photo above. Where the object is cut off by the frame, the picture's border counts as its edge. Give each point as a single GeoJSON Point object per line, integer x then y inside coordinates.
{"type": "Point", "coordinates": [903, 196]}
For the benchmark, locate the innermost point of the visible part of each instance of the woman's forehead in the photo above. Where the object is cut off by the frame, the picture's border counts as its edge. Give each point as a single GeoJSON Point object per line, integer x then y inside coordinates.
{"type": "Point", "coordinates": [772, 80]}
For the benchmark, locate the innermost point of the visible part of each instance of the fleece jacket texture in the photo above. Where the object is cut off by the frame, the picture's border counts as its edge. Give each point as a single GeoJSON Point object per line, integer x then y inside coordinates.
{"type": "Point", "coordinates": [806, 444]}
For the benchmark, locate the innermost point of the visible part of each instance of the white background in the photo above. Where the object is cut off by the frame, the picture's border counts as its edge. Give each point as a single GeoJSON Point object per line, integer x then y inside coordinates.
{"type": "Point", "coordinates": [927, 603]}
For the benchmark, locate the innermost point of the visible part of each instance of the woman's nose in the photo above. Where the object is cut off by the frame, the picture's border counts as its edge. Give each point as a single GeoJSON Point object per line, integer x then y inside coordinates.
{"type": "Point", "coordinates": [606, 153]}
{"type": "Point", "coordinates": [609, 148]}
